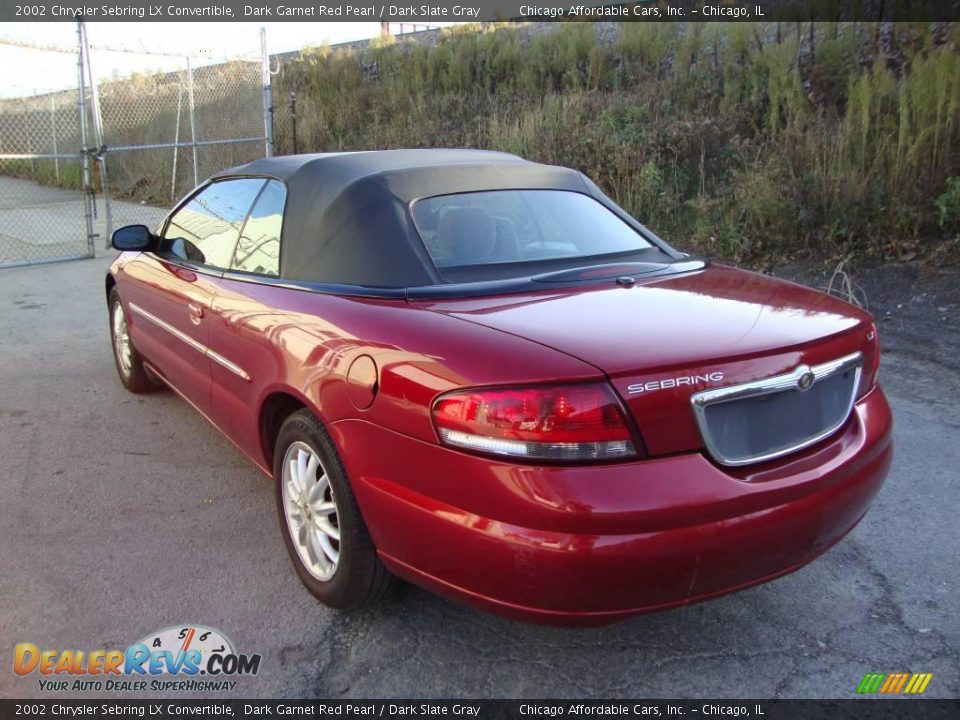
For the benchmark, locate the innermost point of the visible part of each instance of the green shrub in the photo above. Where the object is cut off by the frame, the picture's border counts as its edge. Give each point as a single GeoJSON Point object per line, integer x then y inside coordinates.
{"type": "Point", "coordinates": [948, 205]}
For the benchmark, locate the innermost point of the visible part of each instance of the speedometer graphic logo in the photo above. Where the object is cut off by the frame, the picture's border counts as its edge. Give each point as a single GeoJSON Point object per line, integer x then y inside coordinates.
{"type": "Point", "coordinates": [183, 639]}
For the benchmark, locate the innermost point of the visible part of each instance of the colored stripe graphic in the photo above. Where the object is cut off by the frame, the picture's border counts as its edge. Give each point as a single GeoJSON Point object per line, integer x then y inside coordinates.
{"type": "Point", "coordinates": [870, 683]}
{"type": "Point", "coordinates": [918, 683]}
{"type": "Point", "coordinates": [894, 683]}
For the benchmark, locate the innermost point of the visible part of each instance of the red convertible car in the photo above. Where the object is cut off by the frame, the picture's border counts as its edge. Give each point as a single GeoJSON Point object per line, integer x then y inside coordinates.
{"type": "Point", "coordinates": [480, 375]}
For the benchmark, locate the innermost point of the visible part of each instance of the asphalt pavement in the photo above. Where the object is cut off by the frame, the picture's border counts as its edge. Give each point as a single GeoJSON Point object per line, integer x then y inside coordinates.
{"type": "Point", "coordinates": [122, 514]}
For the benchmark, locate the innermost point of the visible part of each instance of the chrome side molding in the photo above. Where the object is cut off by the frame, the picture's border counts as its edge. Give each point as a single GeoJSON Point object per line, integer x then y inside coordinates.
{"type": "Point", "coordinates": [183, 337]}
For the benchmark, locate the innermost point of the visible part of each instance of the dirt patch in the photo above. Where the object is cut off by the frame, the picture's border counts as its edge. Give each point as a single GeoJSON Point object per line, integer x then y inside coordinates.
{"type": "Point", "coordinates": [916, 307]}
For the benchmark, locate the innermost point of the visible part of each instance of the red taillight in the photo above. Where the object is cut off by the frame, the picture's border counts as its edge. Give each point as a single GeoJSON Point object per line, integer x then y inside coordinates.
{"type": "Point", "coordinates": [563, 422]}
{"type": "Point", "coordinates": [871, 361]}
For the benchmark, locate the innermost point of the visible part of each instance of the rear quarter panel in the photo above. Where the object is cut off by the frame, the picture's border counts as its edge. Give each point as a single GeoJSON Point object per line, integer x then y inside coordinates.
{"type": "Point", "coordinates": [303, 343]}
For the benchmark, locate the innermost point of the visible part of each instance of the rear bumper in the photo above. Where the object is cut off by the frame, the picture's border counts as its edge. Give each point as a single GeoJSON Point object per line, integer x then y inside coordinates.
{"type": "Point", "coordinates": [595, 544]}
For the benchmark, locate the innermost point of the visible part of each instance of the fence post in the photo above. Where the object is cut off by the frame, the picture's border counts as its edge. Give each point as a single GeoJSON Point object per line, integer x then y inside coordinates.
{"type": "Point", "coordinates": [176, 145]}
{"type": "Point", "coordinates": [267, 96]}
{"type": "Point", "coordinates": [84, 149]}
{"type": "Point", "coordinates": [293, 119]}
{"type": "Point", "coordinates": [193, 122]}
{"type": "Point", "coordinates": [53, 134]}
{"type": "Point", "coordinates": [33, 165]}
{"type": "Point", "coordinates": [101, 152]}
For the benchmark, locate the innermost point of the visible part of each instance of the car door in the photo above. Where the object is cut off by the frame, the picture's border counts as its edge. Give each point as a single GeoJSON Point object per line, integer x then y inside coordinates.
{"type": "Point", "coordinates": [245, 312]}
{"type": "Point", "coordinates": [169, 292]}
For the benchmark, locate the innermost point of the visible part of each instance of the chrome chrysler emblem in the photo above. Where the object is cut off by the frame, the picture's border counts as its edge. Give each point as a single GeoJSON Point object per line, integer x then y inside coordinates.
{"type": "Point", "coordinates": [805, 381]}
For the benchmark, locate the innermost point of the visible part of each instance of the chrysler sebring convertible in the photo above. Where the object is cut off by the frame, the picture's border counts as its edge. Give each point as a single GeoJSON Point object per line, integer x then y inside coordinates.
{"type": "Point", "coordinates": [480, 375]}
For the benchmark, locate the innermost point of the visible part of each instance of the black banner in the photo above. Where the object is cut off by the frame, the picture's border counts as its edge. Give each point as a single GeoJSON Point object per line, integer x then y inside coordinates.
{"type": "Point", "coordinates": [482, 10]}
{"type": "Point", "coordinates": [865, 709]}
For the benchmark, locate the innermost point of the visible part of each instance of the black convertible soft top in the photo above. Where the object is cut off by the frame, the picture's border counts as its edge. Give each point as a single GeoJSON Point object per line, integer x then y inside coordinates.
{"type": "Point", "coordinates": [348, 221]}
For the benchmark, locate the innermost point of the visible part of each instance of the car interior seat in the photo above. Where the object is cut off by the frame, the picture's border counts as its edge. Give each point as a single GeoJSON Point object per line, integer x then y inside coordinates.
{"type": "Point", "coordinates": [468, 236]}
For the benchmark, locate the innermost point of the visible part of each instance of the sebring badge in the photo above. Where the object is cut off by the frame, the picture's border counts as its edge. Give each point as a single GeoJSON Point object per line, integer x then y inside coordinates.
{"type": "Point", "coordinates": [682, 381]}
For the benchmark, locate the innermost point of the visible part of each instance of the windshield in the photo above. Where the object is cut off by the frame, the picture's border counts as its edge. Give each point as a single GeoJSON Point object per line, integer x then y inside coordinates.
{"type": "Point", "coordinates": [519, 226]}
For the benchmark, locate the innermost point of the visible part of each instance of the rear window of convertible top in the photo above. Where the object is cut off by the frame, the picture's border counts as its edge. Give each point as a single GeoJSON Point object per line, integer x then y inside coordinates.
{"type": "Point", "coordinates": [513, 227]}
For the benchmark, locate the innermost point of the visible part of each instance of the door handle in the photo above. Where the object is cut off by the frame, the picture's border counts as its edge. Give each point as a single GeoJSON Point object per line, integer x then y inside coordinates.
{"type": "Point", "coordinates": [196, 312]}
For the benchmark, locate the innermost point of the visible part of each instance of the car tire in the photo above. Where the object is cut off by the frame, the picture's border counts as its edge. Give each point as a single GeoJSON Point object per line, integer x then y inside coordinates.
{"type": "Point", "coordinates": [133, 374]}
{"type": "Point", "coordinates": [318, 514]}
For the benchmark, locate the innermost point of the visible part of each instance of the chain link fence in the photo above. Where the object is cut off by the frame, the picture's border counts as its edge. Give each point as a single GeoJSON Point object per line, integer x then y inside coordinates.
{"type": "Point", "coordinates": [42, 199]}
{"type": "Point", "coordinates": [168, 132]}
{"type": "Point", "coordinates": [153, 134]}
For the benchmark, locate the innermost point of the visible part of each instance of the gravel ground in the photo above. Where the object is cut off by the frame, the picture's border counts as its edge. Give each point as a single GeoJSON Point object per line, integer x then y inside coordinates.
{"type": "Point", "coordinates": [121, 515]}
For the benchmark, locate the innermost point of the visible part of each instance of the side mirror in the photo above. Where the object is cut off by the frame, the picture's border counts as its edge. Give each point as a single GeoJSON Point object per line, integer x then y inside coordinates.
{"type": "Point", "coordinates": [132, 237]}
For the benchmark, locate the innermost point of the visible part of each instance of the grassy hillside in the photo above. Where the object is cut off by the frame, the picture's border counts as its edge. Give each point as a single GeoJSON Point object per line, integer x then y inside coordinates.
{"type": "Point", "coordinates": [739, 140]}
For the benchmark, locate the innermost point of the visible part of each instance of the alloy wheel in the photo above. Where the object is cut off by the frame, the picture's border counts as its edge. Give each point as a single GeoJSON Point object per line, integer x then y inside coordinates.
{"type": "Point", "coordinates": [310, 509]}
{"type": "Point", "coordinates": [121, 340]}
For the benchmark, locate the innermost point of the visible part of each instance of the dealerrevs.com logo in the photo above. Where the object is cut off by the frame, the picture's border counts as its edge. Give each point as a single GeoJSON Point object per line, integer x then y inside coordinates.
{"type": "Point", "coordinates": [187, 657]}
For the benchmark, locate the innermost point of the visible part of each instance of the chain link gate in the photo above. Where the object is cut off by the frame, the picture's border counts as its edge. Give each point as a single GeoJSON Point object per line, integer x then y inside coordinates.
{"type": "Point", "coordinates": [44, 198]}
{"type": "Point", "coordinates": [133, 146]}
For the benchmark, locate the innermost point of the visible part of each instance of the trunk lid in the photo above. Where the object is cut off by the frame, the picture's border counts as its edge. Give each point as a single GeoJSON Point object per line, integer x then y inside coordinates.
{"type": "Point", "coordinates": [664, 339]}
